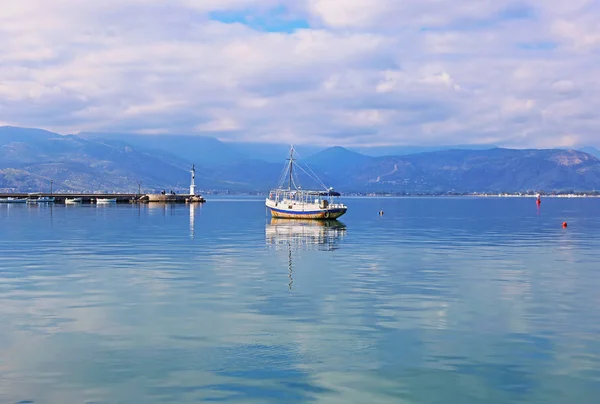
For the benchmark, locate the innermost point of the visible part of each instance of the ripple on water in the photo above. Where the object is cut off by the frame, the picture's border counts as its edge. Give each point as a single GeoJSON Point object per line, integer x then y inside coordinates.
{"type": "Point", "coordinates": [441, 299]}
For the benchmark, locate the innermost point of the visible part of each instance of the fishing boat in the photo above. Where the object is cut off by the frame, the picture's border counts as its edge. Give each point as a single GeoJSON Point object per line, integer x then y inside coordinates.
{"type": "Point", "coordinates": [106, 200]}
{"type": "Point", "coordinates": [45, 199]}
{"type": "Point", "coordinates": [293, 202]}
{"type": "Point", "coordinates": [12, 200]}
{"type": "Point", "coordinates": [73, 201]}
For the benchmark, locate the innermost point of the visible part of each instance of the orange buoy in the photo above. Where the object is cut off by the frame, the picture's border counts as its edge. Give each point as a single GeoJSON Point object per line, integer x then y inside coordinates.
{"type": "Point", "coordinates": [564, 225]}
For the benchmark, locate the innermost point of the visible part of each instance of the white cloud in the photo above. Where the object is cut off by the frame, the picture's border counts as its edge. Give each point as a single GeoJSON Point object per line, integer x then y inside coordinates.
{"type": "Point", "coordinates": [348, 12]}
{"type": "Point", "coordinates": [442, 78]}
{"type": "Point", "coordinates": [365, 72]}
{"type": "Point", "coordinates": [517, 106]}
{"type": "Point", "coordinates": [220, 125]}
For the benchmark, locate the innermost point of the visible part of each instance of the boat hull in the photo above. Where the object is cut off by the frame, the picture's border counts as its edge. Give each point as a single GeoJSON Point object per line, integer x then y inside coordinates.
{"type": "Point", "coordinates": [12, 200]}
{"type": "Point", "coordinates": [323, 214]}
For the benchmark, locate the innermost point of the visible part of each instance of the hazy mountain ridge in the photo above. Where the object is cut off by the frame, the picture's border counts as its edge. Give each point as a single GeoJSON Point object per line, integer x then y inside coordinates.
{"type": "Point", "coordinates": [30, 158]}
{"type": "Point", "coordinates": [30, 161]}
{"type": "Point", "coordinates": [591, 150]}
{"type": "Point", "coordinates": [206, 150]}
{"type": "Point", "coordinates": [494, 170]}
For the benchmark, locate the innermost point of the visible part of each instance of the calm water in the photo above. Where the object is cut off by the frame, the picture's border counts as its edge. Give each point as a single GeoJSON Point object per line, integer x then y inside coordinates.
{"type": "Point", "coordinates": [441, 300]}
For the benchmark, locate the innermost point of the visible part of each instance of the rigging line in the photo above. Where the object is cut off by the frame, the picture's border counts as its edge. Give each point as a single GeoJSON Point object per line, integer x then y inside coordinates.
{"type": "Point", "coordinates": [313, 176]}
{"type": "Point", "coordinates": [291, 167]}
{"type": "Point", "coordinates": [315, 179]}
{"type": "Point", "coordinates": [296, 180]}
{"type": "Point", "coordinates": [291, 184]}
{"type": "Point", "coordinates": [290, 174]}
{"type": "Point", "coordinates": [281, 173]}
{"type": "Point", "coordinates": [283, 176]}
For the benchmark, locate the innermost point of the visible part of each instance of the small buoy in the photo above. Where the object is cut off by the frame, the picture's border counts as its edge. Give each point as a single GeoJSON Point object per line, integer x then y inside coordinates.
{"type": "Point", "coordinates": [381, 213]}
{"type": "Point", "coordinates": [564, 224]}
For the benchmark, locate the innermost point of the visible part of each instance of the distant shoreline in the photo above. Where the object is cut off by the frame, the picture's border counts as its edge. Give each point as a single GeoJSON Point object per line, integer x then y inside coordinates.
{"type": "Point", "coordinates": [582, 194]}
{"type": "Point", "coordinates": [396, 195]}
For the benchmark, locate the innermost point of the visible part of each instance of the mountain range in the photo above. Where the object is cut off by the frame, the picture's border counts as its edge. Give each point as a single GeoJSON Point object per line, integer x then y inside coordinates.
{"type": "Point", "coordinates": [113, 162]}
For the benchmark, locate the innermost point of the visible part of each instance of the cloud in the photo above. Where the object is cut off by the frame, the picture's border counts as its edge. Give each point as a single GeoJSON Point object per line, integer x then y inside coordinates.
{"type": "Point", "coordinates": [351, 72]}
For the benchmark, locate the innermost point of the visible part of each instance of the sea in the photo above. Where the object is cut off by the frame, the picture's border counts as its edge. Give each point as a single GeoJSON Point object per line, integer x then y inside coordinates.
{"type": "Point", "coordinates": [437, 300]}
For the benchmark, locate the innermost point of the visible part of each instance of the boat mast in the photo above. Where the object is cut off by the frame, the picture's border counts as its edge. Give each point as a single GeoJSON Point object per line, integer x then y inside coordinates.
{"type": "Point", "coordinates": [291, 167]}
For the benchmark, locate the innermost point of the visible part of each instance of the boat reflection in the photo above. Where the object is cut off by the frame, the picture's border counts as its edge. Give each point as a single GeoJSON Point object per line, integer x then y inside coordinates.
{"type": "Point", "coordinates": [297, 234]}
{"type": "Point", "coordinates": [305, 234]}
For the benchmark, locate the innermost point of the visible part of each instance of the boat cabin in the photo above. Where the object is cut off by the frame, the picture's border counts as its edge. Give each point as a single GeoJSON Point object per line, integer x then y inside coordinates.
{"type": "Point", "coordinates": [324, 199]}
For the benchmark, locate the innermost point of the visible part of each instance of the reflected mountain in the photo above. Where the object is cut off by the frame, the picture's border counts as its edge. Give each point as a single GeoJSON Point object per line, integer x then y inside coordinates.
{"type": "Point", "coordinates": [305, 234]}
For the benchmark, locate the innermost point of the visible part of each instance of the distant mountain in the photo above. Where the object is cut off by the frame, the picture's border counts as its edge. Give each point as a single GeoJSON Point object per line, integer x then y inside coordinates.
{"type": "Point", "coordinates": [272, 153]}
{"type": "Point", "coordinates": [493, 170]}
{"type": "Point", "coordinates": [591, 150]}
{"type": "Point", "coordinates": [202, 150]}
{"type": "Point", "coordinates": [336, 160]}
{"type": "Point", "coordinates": [30, 158]}
{"type": "Point", "coordinates": [10, 134]}
{"type": "Point", "coordinates": [248, 175]}
{"type": "Point", "coordinates": [378, 151]}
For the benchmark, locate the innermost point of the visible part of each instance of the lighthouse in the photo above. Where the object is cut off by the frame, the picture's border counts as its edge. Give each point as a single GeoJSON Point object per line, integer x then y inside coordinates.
{"type": "Point", "coordinates": [193, 183]}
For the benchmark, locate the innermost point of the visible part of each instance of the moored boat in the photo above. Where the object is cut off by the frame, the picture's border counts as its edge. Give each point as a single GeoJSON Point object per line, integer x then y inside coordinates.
{"type": "Point", "coordinates": [12, 200]}
{"type": "Point", "coordinates": [45, 199]}
{"type": "Point", "coordinates": [106, 200]}
{"type": "Point", "coordinates": [32, 197]}
{"type": "Point", "coordinates": [73, 201]}
{"type": "Point", "coordinates": [293, 202]}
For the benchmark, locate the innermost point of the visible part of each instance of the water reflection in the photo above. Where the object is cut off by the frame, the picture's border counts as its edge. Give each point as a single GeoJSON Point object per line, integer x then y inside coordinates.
{"type": "Point", "coordinates": [160, 207]}
{"type": "Point", "coordinates": [442, 301]}
{"type": "Point", "coordinates": [323, 235]}
{"type": "Point", "coordinates": [192, 221]}
{"type": "Point", "coordinates": [290, 234]}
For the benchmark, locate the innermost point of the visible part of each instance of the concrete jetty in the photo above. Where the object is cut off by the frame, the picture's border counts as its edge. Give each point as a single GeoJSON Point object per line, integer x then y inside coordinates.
{"type": "Point", "coordinates": [59, 198]}
{"type": "Point", "coordinates": [171, 198]}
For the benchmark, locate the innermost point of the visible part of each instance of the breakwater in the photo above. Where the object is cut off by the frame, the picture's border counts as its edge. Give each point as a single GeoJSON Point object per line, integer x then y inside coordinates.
{"type": "Point", "coordinates": [119, 198]}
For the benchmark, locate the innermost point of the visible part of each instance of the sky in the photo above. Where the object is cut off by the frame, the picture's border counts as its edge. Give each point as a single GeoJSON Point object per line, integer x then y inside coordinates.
{"type": "Point", "coordinates": [321, 72]}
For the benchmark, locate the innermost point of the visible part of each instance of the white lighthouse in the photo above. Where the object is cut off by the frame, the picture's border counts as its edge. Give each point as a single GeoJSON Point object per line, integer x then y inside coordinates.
{"type": "Point", "coordinates": [193, 183]}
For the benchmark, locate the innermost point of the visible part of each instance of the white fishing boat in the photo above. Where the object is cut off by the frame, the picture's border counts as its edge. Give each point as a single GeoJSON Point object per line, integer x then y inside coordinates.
{"type": "Point", "coordinates": [106, 200]}
{"type": "Point", "coordinates": [293, 202]}
{"type": "Point", "coordinates": [45, 199]}
{"type": "Point", "coordinates": [73, 201]}
{"type": "Point", "coordinates": [12, 200]}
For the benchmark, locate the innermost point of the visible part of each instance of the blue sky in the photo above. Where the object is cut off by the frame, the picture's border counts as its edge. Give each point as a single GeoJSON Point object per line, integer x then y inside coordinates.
{"type": "Point", "coordinates": [323, 72]}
